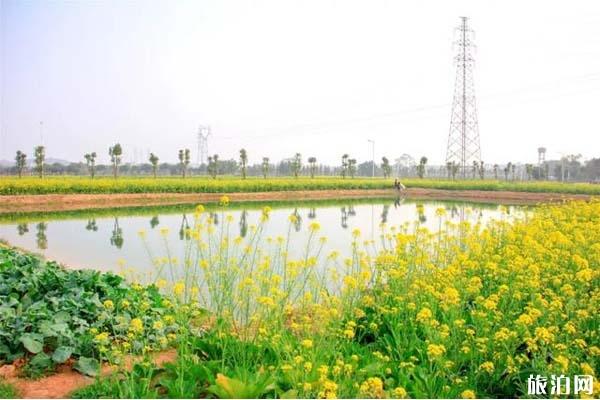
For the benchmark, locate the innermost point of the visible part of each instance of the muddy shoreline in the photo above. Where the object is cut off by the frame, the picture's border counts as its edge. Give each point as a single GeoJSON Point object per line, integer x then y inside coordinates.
{"type": "Point", "coordinates": [61, 202]}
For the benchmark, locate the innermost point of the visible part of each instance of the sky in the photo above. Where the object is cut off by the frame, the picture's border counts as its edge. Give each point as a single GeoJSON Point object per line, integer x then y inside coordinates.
{"type": "Point", "coordinates": [318, 77]}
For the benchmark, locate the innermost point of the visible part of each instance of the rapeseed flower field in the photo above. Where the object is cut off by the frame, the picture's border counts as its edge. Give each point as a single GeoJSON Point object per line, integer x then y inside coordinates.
{"type": "Point", "coordinates": [231, 184]}
{"type": "Point", "coordinates": [468, 311]}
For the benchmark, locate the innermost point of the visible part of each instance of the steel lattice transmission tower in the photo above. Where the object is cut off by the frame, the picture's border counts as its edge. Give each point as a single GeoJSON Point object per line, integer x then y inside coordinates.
{"type": "Point", "coordinates": [463, 139]}
{"type": "Point", "coordinates": [203, 134]}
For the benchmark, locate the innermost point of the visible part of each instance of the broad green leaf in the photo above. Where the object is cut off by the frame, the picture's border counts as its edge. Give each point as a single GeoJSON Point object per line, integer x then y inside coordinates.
{"type": "Point", "coordinates": [62, 317]}
{"type": "Point", "coordinates": [39, 364]}
{"type": "Point", "coordinates": [32, 345]}
{"type": "Point", "coordinates": [87, 366]}
{"type": "Point", "coordinates": [62, 354]}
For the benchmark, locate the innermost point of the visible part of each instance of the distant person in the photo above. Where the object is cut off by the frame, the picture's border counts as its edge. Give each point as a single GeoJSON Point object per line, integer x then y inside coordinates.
{"type": "Point", "coordinates": [399, 186]}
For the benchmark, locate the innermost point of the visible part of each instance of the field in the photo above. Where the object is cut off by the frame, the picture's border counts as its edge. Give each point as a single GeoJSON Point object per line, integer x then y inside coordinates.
{"type": "Point", "coordinates": [81, 185]}
{"type": "Point", "coordinates": [464, 312]}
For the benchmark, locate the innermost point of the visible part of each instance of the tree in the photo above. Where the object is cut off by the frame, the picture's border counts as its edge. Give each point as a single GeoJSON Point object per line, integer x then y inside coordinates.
{"type": "Point", "coordinates": [591, 170]}
{"type": "Point", "coordinates": [90, 159]}
{"type": "Point", "coordinates": [513, 168]}
{"type": "Point", "coordinates": [297, 164]}
{"type": "Point", "coordinates": [529, 171]}
{"type": "Point", "coordinates": [573, 166]}
{"type": "Point", "coordinates": [449, 168]}
{"type": "Point", "coordinates": [213, 166]}
{"type": "Point", "coordinates": [352, 167]}
{"type": "Point", "coordinates": [496, 171]}
{"type": "Point", "coordinates": [481, 170]}
{"type": "Point", "coordinates": [475, 169]}
{"type": "Point", "coordinates": [386, 167]}
{"type": "Point", "coordinates": [507, 170]}
{"type": "Point", "coordinates": [313, 166]}
{"type": "Point", "coordinates": [184, 161]}
{"type": "Point", "coordinates": [154, 161]}
{"type": "Point", "coordinates": [421, 167]}
{"type": "Point", "coordinates": [40, 157]}
{"type": "Point", "coordinates": [265, 167]}
{"type": "Point", "coordinates": [344, 165]}
{"type": "Point", "coordinates": [21, 162]}
{"type": "Point", "coordinates": [243, 162]}
{"type": "Point", "coordinates": [455, 168]}
{"type": "Point", "coordinates": [115, 152]}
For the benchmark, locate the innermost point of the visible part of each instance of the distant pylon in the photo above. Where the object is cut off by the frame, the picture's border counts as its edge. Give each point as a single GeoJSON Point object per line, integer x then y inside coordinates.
{"type": "Point", "coordinates": [463, 139]}
{"type": "Point", "coordinates": [541, 155]}
{"type": "Point", "coordinates": [203, 134]}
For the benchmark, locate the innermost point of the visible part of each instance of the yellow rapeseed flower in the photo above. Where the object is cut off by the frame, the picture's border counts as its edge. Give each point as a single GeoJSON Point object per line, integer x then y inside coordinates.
{"type": "Point", "coordinates": [436, 350]}
{"type": "Point", "coordinates": [136, 325]}
{"type": "Point", "coordinates": [224, 201]}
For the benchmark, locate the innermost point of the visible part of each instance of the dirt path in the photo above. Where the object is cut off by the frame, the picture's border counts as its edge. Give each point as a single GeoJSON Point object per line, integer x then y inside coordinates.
{"type": "Point", "coordinates": [66, 380]}
{"type": "Point", "coordinates": [57, 202]}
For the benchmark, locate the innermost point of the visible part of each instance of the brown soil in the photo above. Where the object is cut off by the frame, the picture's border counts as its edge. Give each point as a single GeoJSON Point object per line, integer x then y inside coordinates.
{"type": "Point", "coordinates": [66, 380]}
{"type": "Point", "coordinates": [56, 202]}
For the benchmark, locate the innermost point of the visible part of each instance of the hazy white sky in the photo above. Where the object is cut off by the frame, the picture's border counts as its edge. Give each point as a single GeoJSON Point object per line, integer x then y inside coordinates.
{"type": "Point", "coordinates": [279, 77]}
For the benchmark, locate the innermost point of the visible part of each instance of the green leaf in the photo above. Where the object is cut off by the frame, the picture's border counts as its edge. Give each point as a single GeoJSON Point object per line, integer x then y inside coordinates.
{"type": "Point", "coordinates": [62, 317]}
{"type": "Point", "coordinates": [290, 394]}
{"type": "Point", "coordinates": [62, 354]}
{"type": "Point", "coordinates": [87, 366]}
{"type": "Point", "coordinates": [32, 345]}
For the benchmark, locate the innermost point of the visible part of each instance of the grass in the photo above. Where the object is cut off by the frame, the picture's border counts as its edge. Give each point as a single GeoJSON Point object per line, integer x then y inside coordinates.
{"type": "Point", "coordinates": [7, 391]}
{"type": "Point", "coordinates": [82, 185]}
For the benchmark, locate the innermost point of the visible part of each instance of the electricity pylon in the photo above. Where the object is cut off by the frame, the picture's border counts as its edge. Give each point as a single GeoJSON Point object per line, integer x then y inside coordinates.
{"type": "Point", "coordinates": [203, 134]}
{"type": "Point", "coordinates": [463, 139]}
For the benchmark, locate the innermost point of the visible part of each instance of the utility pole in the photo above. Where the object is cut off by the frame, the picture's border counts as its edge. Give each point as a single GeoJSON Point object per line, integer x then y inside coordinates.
{"type": "Point", "coordinates": [373, 157]}
{"type": "Point", "coordinates": [463, 139]}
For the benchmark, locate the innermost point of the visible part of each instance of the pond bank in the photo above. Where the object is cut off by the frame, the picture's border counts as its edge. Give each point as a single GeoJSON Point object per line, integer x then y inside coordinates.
{"type": "Point", "coordinates": [61, 202]}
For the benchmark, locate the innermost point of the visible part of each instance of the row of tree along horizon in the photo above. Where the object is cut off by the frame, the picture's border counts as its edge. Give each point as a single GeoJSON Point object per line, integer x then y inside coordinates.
{"type": "Point", "coordinates": [570, 168]}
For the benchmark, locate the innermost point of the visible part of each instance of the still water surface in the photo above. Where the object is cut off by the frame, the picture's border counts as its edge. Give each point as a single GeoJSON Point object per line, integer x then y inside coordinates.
{"type": "Point", "coordinates": [105, 240]}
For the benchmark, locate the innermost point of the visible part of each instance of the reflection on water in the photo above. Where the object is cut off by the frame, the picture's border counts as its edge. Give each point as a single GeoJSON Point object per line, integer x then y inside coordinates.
{"type": "Point", "coordinates": [116, 239]}
{"type": "Point", "coordinates": [91, 225]}
{"type": "Point", "coordinates": [41, 238]}
{"type": "Point", "coordinates": [22, 229]}
{"type": "Point", "coordinates": [99, 240]}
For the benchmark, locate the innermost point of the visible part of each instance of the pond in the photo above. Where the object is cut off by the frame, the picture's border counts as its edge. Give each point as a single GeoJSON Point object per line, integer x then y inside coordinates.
{"type": "Point", "coordinates": [107, 240]}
